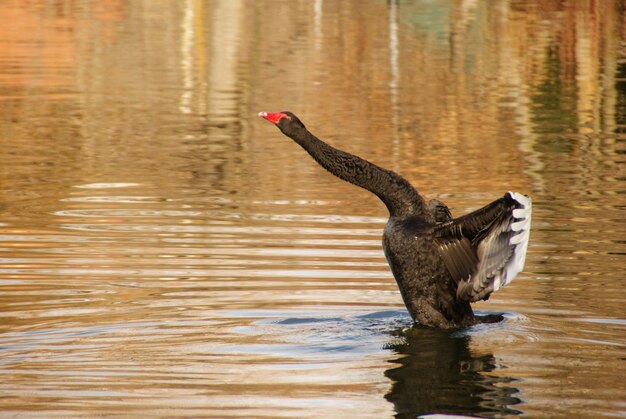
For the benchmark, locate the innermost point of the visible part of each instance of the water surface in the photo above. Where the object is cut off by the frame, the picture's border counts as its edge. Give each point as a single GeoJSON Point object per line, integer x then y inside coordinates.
{"type": "Point", "coordinates": [165, 252]}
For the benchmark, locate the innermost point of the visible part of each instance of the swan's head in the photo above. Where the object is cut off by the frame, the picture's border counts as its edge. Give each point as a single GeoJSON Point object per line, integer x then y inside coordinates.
{"type": "Point", "coordinates": [285, 121]}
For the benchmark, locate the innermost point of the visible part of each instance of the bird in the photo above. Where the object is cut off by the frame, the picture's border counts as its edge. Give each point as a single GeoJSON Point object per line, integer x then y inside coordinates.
{"type": "Point", "coordinates": [441, 264]}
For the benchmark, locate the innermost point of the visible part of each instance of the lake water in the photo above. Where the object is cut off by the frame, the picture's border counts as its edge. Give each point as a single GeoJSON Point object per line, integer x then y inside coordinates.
{"type": "Point", "coordinates": [164, 252]}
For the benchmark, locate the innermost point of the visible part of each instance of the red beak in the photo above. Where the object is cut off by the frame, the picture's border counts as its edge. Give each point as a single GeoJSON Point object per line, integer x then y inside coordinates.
{"type": "Point", "coordinates": [273, 117]}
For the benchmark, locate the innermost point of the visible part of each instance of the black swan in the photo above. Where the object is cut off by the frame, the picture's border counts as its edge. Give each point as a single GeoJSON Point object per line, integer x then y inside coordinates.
{"type": "Point", "coordinates": [441, 264]}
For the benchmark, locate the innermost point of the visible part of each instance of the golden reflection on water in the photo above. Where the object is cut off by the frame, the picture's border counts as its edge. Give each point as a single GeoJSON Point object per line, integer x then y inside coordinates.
{"type": "Point", "coordinates": [162, 251]}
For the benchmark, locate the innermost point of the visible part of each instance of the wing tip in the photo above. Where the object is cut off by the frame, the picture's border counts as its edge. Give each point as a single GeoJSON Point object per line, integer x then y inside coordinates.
{"type": "Point", "coordinates": [522, 213]}
{"type": "Point", "coordinates": [519, 242]}
{"type": "Point", "coordinates": [521, 225]}
{"type": "Point", "coordinates": [524, 200]}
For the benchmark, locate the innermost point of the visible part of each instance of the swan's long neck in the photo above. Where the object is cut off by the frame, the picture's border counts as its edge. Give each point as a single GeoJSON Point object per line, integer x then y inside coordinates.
{"type": "Point", "coordinates": [395, 191]}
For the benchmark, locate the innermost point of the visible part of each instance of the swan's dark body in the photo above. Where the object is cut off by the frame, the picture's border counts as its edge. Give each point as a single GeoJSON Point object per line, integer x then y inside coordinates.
{"type": "Point", "coordinates": [440, 264]}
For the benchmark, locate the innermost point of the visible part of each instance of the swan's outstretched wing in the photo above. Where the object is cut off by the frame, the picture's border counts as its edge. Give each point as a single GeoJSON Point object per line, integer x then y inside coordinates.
{"type": "Point", "coordinates": [485, 249]}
